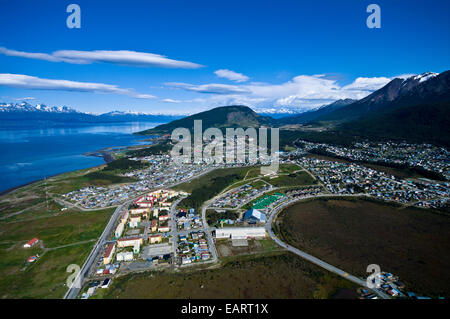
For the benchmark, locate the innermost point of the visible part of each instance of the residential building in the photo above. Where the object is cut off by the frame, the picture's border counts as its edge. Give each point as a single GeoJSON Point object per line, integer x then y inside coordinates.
{"type": "Point", "coordinates": [240, 232]}
{"type": "Point", "coordinates": [119, 230]}
{"type": "Point", "coordinates": [109, 252]}
{"type": "Point", "coordinates": [125, 256]}
{"type": "Point", "coordinates": [163, 229]}
{"type": "Point", "coordinates": [31, 243]}
{"type": "Point", "coordinates": [154, 239]}
{"type": "Point", "coordinates": [154, 225]}
{"type": "Point", "coordinates": [129, 242]}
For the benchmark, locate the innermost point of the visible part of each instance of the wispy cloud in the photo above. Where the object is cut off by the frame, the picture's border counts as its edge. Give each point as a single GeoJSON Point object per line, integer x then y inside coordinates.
{"type": "Point", "coordinates": [122, 57]}
{"type": "Point", "coordinates": [36, 83]}
{"type": "Point", "coordinates": [171, 101]}
{"type": "Point", "coordinates": [213, 88]}
{"type": "Point", "coordinates": [367, 84]}
{"type": "Point", "coordinates": [26, 99]}
{"type": "Point", "coordinates": [301, 92]}
{"type": "Point", "coordinates": [231, 75]}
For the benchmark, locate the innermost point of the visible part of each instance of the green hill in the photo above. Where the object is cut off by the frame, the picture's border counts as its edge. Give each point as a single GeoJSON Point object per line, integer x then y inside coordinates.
{"type": "Point", "coordinates": [220, 117]}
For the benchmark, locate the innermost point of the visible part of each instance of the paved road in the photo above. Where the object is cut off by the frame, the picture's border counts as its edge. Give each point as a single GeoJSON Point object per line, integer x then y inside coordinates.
{"type": "Point", "coordinates": [173, 227]}
{"type": "Point", "coordinates": [73, 291]}
{"type": "Point", "coordinates": [311, 258]}
{"type": "Point", "coordinates": [208, 230]}
{"type": "Point", "coordinates": [75, 288]}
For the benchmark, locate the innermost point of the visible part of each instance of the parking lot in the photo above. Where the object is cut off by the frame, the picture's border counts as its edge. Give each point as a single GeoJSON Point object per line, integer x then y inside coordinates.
{"type": "Point", "coordinates": [156, 250]}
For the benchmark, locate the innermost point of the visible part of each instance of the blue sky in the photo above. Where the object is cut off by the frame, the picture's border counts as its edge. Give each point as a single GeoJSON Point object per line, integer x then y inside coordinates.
{"type": "Point", "coordinates": [266, 54]}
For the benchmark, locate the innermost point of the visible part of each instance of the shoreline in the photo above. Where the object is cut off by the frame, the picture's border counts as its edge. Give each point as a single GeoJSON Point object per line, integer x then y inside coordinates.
{"type": "Point", "coordinates": [12, 189]}
{"type": "Point", "coordinates": [105, 153]}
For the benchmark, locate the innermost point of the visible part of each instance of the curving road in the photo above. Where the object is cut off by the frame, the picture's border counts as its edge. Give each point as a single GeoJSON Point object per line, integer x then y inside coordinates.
{"type": "Point", "coordinates": [208, 230]}
{"type": "Point", "coordinates": [311, 258]}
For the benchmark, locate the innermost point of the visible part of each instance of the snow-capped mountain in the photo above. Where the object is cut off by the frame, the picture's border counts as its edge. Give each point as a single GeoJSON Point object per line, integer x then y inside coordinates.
{"type": "Point", "coordinates": [427, 86]}
{"type": "Point", "coordinates": [26, 107]}
{"type": "Point", "coordinates": [26, 112]}
{"type": "Point", "coordinates": [424, 76]}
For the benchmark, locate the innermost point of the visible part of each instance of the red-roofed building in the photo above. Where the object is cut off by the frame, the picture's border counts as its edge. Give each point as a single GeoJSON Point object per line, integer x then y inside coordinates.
{"type": "Point", "coordinates": [31, 259]}
{"type": "Point", "coordinates": [154, 225]}
{"type": "Point", "coordinates": [109, 252]}
{"type": "Point", "coordinates": [31, 243]}
{"type": "Point", "coordinates": [145, 201]}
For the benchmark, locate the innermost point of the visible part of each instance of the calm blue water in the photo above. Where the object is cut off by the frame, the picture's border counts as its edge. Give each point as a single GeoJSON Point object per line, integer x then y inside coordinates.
{"type": "Point", "coordinates": [31, 154]}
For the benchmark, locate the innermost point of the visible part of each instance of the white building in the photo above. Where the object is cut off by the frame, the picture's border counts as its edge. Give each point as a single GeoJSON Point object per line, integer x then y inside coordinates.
{"type": "Point", "coordinates": [129, 242]}
{"type": "Point", "coordinates": [124, 217]}
{"type": "Point", "coordinates": [241, 232]}
{"type": "Point", "coordinates": [125, 256]}
{"type": "Point", "coordinates": [137, 247]}
{"type": "Point", "coordinates": [134, 221]}
{"type": "Point", "coordinates": [139, 210]}
{"type": "Point", "coordinates": [119, 230]}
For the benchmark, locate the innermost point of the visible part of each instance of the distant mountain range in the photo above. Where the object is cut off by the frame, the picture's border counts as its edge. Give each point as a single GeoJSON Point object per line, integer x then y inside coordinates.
{"type": "Point", "coordinates": [391, 95]}
{"type": "Point", "coordinates": [309, 116]}
{"type": "Point", "coordinates": [414, 109]}
{"type": "Point", "coordinates": [45, 114]}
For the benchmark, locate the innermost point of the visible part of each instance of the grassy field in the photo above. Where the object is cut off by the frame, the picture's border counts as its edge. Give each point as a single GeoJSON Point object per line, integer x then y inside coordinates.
{"type": "Point", "coordinates": [292, 179]}
{"type": "Point", "coordinates": [288, 168]}
{"type": "Point", "coordinates": [351, 234]}
{"type": "Point", "coordinates": [43, 209]}
{"type": "Point", "coordinates": [58, 230]}
{"type": "Point", "coordinates": [205, 180]}
{"type": "Point", "coordinates": [66, 236]}
{"type": "Point", "coordinates": [31, 201]}
{"type": "Point", "coordinates": [95, 177]}
{"type": "Point", "coordinates": [275, 275]}
{"type": "Point", "coordinates": [45, 278]}
{"type": "Point", "coordinates": [211, 184]}
{"type": "Point", "coordinates": [226, 249]}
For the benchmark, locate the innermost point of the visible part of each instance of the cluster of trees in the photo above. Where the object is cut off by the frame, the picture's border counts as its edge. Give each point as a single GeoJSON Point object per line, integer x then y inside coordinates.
{"type": "Point", "coordinates": [292, 137]}
{"type": "Point", "coordinates": [213, 217]}
{"type": "Point", "coordinates": [157, 149]}
{"type": "Point", "coordinates": [125, 164]}
{"type": "Point", "coordinates": [202, 194]}
{"type": "Point", "coordinates": [99, 178]}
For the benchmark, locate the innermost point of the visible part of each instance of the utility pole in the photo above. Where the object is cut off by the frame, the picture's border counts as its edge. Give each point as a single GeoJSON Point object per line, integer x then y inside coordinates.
{"type": "Point", "coordinates": [46, 195]}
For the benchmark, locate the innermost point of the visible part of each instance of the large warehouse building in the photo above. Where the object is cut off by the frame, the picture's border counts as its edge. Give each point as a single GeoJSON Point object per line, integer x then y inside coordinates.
{"type": "Point", "coordinates": [240, 232]}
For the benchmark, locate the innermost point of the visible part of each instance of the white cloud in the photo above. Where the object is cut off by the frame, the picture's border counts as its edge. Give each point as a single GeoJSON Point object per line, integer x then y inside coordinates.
{"type": "Point", "coordinates": [35, 83]}
{"type": "Point", "coordinates": [302, 92]}
{"type": "Point", "coordinates": [367, 84]}
{"type": "Point", "coordinates": [171, 101]}
{"type": "Point", "coordinates": [213, 88]}
{"type": "Point", "coordinates": [404, 76]}
{"type": "Point", "coordinates": [26, 99]}
{"type": "Point", "coordinates": [29, 55]}
{"type": "Point", "coordinates": [123, 57]}
{"type": "Point", "coordinates": [231, 75]}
